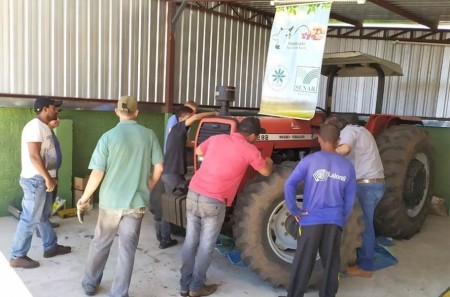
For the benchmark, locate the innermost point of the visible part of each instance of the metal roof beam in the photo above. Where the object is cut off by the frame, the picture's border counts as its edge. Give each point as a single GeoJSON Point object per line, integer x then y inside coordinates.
{"type": "Point", "coordinates": [417, 35]}
{"type": "Point", "coordinates": [228, 13]}
{"type": "Point", "coordinates": [346, 20]}
{"type": "Point", "coordinates": [404, 13]}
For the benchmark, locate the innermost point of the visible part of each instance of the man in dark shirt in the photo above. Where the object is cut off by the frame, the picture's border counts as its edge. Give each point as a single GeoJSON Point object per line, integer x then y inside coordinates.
{"type": "Point", "coordinates": [175, 164]}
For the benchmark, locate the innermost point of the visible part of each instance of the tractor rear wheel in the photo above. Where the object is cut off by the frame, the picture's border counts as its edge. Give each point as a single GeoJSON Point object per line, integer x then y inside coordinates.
{"type": "Point", "coordinates": [266, 233]}
{"type": "Point", "coordinates": [406, 153]}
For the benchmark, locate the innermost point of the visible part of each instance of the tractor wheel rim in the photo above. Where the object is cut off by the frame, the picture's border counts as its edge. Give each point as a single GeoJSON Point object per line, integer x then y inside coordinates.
{"type": "Point", "coordinates": [415, 208]}
{"type": "Point", "coordinates": [280, 241]}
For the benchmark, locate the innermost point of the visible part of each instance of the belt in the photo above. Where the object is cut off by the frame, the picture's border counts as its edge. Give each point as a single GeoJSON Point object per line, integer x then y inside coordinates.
{"type": "Point", "coordinates": [370, 180]}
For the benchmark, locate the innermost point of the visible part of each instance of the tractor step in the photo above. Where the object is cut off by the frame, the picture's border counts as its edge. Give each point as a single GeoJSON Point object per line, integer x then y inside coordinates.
{"type": "Point", "coordinates": [174, 209]}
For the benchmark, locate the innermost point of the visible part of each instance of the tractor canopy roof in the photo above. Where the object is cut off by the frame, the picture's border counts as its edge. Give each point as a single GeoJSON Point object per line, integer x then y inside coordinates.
{"type": "Point", "coordinates": [356, 64]}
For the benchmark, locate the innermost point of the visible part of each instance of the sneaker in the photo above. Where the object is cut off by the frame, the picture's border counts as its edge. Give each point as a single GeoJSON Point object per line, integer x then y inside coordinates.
{"type": "Point", "coordinates": [23, 262]}
{"type": "Point", "coordinates": [167, 243]}
{"type": "Point", "coordinates": [205, 291]}
{"type": "Point", "coordinates": [57, 250]}
{"type": "Point", "coordinates": [358, 271]}
{"type": "Point", "coordinates": [184, 293]}
{"type": "Point", "coordinates": [89, 292]}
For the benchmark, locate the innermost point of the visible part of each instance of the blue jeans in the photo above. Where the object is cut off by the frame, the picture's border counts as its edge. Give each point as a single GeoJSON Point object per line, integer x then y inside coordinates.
{"type": "Point", "coordinates": [205, 217]}
{"type": "Point", "coordinates": [368, 195]}
{"type": "Point", "coordinates": [127, 225]}
{"type": "Point", "coordinates": [36, 209]}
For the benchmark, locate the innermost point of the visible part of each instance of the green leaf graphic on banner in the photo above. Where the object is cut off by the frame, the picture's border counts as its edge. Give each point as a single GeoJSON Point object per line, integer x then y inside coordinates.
{"type": "Point", "coordinates": [310, 8]}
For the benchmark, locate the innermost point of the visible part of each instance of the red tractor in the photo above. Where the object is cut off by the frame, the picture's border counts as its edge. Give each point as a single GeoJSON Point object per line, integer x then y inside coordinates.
{"type": "Point", "coordinates": [264, 231]}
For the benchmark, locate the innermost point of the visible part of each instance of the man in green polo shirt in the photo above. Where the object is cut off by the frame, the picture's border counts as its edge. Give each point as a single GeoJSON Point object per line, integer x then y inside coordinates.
{"type": "Point", "coordinates": [122, 159]}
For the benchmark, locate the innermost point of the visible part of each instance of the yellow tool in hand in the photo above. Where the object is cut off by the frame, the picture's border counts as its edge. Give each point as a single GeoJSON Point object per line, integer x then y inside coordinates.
{"type": "Point", "coordinates": [297, 218]}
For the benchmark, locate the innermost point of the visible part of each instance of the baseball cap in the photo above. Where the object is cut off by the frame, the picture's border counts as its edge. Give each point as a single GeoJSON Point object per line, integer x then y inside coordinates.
{"type": "Point", "coordinates": [42, 102]}
{"type": "Point", "coordinates": [250, 125]}
{"type": "Point", "coordinates": [127, 103]}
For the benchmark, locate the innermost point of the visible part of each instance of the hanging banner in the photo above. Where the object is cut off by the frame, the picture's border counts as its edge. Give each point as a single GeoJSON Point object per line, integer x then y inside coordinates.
{"type": "Point", "coordinates": [292, 74]}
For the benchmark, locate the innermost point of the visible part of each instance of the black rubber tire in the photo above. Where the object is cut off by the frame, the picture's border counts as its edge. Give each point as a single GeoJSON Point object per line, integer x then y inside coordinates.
{"type": "Point", "coordinates": [407, 156]}
{"type": "Point", "coordinates": [252, 215]}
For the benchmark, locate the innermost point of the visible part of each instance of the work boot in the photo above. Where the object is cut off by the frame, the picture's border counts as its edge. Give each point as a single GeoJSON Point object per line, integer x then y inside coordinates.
{"type": "Point", "coordinates": [358, 271]}
{"type": "Point", "coordinates": [184, 293]}
{"type": "Point", "coordinates": [57, 250]}
{"type": "Point", "coordinates": [167, 243]}
{"type": "Point", "coordinates": [23, 262]}
{"type": "Point", "coordinates": [205, 291]}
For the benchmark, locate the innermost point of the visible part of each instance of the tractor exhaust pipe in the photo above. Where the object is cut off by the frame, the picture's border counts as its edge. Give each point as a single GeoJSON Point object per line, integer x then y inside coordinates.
{"type": "Point", "coordinates": [225, 95]}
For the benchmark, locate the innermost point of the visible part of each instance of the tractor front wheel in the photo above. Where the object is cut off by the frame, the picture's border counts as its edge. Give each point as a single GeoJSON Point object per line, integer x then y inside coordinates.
{"type": "Point", "coordinates": [266, 233]}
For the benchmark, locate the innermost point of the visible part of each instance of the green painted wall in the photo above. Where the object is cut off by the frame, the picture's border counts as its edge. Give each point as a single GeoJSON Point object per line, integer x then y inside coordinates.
{"type": "Point", "coordinates": [12, 121]}
{"type": "Point", "coordinates": [440, 137]}
{"type": "Point", "coordinates": [65, 137]}
{"type": "Point", "coordinates": [88, 126]}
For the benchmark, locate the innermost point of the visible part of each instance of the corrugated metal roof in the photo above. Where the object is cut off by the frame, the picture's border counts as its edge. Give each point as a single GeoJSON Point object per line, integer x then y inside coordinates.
{"type": "Point", "coordinates": [430, 14]}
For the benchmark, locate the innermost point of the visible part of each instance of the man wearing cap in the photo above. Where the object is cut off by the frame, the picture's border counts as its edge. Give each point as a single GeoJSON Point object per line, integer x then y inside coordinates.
{"type": "Point", "coordinates": [122, 159]}
{"type": "Point", "coordinates": [39, 165]}
{"type": "Point", "coordinates": [212, 188]}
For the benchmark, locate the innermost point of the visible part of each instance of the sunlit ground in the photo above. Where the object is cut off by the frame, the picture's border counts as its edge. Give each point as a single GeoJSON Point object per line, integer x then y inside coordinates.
{"type": "Point", "coordinates": [12, 285]}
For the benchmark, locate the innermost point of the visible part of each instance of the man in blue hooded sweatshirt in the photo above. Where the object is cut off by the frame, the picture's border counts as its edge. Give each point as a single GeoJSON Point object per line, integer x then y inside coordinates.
{"type": "Point", "coordinates": [328, 197]}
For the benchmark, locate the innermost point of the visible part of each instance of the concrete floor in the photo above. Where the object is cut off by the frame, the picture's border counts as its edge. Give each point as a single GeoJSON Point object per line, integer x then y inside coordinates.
{"type": "Point", "coordinates": [423, 269]}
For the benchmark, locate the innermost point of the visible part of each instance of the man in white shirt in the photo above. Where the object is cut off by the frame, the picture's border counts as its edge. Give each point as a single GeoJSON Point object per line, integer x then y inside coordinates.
{"type": "Point", "coordinates": [360, 148]}
{"type": "Point", "coordinates": [39, 165]}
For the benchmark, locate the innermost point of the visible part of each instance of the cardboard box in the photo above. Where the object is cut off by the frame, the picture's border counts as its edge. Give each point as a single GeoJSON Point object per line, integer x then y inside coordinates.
{"type": "Point", "coordinates": [79, 183]}
{"type": "Point", "coordinates": [77, 195]}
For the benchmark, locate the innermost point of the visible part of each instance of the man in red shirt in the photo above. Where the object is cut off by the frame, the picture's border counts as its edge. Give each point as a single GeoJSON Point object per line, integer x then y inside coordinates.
{"type": "Point", "coordinates": [213, 188]}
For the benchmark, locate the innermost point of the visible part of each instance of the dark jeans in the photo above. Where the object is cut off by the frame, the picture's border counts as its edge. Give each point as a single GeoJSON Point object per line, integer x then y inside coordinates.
{"type": "Point", "coordinates": [325, 239]}
{"type": "Point", "coordinates": [162, 228]}
{"type": "Point", "coordinates": [167, 183]}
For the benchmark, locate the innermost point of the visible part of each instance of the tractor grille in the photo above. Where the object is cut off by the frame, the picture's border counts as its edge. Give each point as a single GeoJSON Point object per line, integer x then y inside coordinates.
{"type": "Point", "coordinates": [210, 129]}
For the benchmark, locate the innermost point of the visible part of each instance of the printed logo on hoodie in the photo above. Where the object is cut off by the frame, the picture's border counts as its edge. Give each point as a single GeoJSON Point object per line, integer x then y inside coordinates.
{"type": "Point", "coordinates": [323, 174]}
